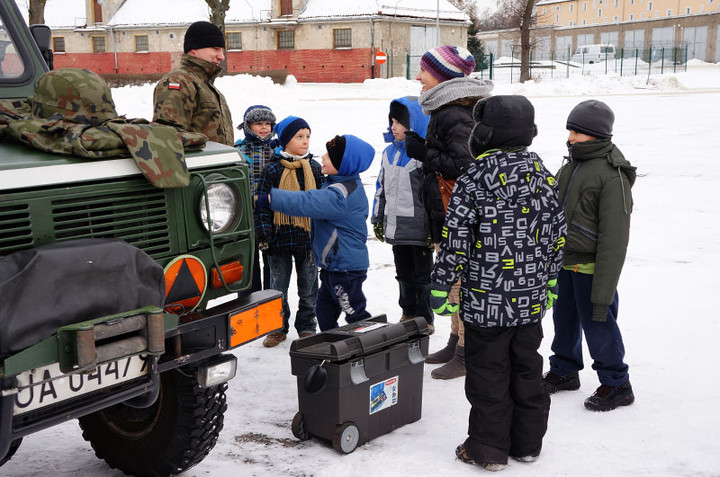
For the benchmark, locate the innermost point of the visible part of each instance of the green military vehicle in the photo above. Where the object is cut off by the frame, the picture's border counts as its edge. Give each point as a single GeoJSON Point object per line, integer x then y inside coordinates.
{"type": "Point", "coordinates": [109, 290]}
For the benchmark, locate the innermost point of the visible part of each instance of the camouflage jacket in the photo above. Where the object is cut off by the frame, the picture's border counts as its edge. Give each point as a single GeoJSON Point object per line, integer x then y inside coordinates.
{"type": "Point", "coordinates": [72, 113]}
{"type": "Point", "coordinates": [187, 98]}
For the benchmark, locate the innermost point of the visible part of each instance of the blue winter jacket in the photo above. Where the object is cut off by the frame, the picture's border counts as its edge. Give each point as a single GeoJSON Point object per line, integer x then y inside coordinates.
{"type": "Point", "coordinates": [397, 203]}
{"type": "Point", "coordinates": [338, 210]}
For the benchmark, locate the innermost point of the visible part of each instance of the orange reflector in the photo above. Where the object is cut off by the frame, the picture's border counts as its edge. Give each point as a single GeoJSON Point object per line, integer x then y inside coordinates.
{"type": "Point", "coordinates": [232, 272]}
{"type": "Point", "coordinates": [249, 324]}
{"type": "Point", "coordinates": [185, 284]}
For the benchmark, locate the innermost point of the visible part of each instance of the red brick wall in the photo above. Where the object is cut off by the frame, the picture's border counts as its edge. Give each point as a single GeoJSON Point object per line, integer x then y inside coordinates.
{"type": "Point", "coordinates": [318, 66]}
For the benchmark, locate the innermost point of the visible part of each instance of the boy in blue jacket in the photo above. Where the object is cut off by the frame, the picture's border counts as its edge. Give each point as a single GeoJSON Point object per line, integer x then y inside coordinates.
{"type": "Point", "coordinates": [339, 212]}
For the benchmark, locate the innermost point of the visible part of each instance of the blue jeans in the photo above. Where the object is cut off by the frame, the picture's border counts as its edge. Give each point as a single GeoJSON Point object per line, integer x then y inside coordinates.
{"type": "Point", "coordinates": [341, 292]}
{"type": "Point", "coordinates": [572, 315]}
{"type": "Point", "coordinates": [307, 286]}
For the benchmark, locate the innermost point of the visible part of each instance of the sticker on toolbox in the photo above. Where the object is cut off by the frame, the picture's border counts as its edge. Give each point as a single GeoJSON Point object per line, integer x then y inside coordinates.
{"type": "Point", "coordinates": [383, 395]}
{"type": "Point", "coordinates": [366, 328]}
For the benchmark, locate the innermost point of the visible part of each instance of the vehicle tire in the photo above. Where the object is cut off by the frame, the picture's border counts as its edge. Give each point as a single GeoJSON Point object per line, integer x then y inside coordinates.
{"type": "Point", "coordinates": [170, 436]}
{"type": "Point", "coordinates": [11, 451]}
{"type": "Point", "coordinates": [298, 427]}
{"type": "Point", "coordinates": [346, 438]}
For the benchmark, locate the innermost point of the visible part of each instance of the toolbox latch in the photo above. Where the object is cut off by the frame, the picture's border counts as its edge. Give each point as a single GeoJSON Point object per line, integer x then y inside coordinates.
{"type": "Point", "coordinates": [357, 372]}
{"type": "Point", "coordinates": [415, 353]}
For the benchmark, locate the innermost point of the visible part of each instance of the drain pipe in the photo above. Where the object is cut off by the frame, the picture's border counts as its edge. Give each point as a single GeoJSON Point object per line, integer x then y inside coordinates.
{"type": "Point", "coordinates": [372, 48]}
{"type": "Point", "coordinates": [112, 32]}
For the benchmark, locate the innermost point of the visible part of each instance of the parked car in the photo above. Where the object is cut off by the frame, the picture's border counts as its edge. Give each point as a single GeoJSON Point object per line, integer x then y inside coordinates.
{"type": "Point", "coordinates": [591, 54]}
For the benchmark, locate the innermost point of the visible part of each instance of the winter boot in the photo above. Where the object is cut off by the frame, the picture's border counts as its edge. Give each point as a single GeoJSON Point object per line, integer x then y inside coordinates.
{"type": "Point", "coordinates": [607, 398]}
{"type": "Point", "coordinates": [554, 382]}
{"type": "Point", "coordinates": [454, 368]}
{"type": "Point", "coordinates": [446, 354]}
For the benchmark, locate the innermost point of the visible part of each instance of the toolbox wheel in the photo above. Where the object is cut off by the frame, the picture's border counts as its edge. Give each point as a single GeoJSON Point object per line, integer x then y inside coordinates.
{"type": "Point", "coordinates": [346, 438]}
{"type": "Point", "coordinates": [298, 427]}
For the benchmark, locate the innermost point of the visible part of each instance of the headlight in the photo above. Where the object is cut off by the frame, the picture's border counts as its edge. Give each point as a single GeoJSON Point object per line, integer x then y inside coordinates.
{"type": "Point", "coordinates": [223, 207]}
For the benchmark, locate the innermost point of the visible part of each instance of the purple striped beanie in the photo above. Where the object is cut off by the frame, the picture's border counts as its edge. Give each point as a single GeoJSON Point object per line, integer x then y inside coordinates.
{"type": "Point", "coordinates": [448, 62]}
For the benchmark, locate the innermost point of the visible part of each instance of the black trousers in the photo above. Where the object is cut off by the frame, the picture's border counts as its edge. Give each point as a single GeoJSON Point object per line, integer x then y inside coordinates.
{"type": "Point", "coordinates": [510, 407]}
{"type": "Point", "coordinates": [413, 264]}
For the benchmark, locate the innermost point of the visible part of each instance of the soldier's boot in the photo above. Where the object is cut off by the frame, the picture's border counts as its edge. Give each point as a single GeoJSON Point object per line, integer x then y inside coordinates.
{"type": "Point", "coordinates": [446, 354]}
{"type": "Point", "coordinates": [455, 368]}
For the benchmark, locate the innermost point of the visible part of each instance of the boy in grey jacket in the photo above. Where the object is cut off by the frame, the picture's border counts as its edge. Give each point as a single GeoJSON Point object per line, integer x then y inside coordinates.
{"type": "Point", "coordinates": [595, 188]}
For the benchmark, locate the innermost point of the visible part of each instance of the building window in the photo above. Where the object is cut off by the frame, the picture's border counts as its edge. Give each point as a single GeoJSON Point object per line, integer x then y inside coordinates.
{"type": "Point", "coordinates": [141, 43]}
{"type": "Point", "coordinates": [583, 22]}
{"type": "Point", "coordinates": [286, 7]}
{"type": "Point", "coordinates": [97, 11]}
{"type": "Point", "coordinates": [599, 13]}
{"type": "Point", "coordinates": [58, 44]}
{"type": "Point", "coordinates": [632, 2]}
{"type": "Point", "coordinates": [649, 6]}
{"type": "Point", "coordinates": [544, 11]}
{"type": "Point", "coordinates": [615, 18]}
{"type": "Point", "coordinates": [584, 6]}
{"type": "Point", "coordinates": [342, 38]}
{"type": "Point", "coordinates": [632, 17]}
{"type": "Point", "coordinates": [286, 40]}
{"type": "Point", "coordinates": [98, 43]}
{"type": "Point", "coordinates": [669, 12]}
{"type": "Point", "coordinates": [572, 7]}
{"type": "Point", "coordinates": [687, 11]}
{"type": "Point", "coordinates": [557, 18]}
{"type": "Point", "coordinates": [234, 40]}
{"type": "Point", "coordinates": [571, 23]}
{"type": "Point", "coordinates": [615, 3]}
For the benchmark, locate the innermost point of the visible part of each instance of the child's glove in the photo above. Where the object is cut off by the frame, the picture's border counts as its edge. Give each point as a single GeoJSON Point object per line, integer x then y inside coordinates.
{"type": "Point", "coordinates": [379, 232]}
{"type": "Point", "coordinates": [439, 301]}
{"type": "Point", "coordinates": [552, 292]}
{"type": "Point", "coordinates": [261, 201]}
{"type": "Point", "coordinates": [415, 146]}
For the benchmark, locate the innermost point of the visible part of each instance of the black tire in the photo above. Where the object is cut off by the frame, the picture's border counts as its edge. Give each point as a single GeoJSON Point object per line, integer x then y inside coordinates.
{"type": "Point", "coordinates": [170, 436]}
{"type": "Point", "coordinates": [298, 427]}
{"type": "Point", "coordinates": [346, 438]}
{"type": "Point", "coordinates": [11, 451]}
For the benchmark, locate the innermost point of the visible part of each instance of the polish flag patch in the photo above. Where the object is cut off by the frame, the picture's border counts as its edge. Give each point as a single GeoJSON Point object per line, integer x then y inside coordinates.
{"type": "Point", "coordinates": [173, 85]}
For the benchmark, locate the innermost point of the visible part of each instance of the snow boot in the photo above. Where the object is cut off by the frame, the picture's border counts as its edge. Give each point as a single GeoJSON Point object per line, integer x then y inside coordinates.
{"type": "Point", "coordinates": [607, 398]}
{"type": "Point", "coordinates": [554, 382]}
{"type": "Point", "coordinates": [446, 354]}
{"type": "Point", "coordinates": [455, 368]}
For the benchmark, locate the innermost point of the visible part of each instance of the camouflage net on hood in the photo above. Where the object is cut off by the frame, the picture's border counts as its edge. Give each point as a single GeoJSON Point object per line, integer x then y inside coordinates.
{"type": "Point", "coordinates": [72, 113]}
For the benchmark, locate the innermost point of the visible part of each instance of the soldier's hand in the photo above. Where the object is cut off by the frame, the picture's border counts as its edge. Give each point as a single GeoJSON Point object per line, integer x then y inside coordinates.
{"type": "Point", "coordinates": [261, 201]}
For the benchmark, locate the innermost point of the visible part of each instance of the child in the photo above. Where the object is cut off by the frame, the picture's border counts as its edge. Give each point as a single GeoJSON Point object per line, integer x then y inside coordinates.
{"type": "Point", "coordinates": [257, 148]}
{"type": "Point", "coordinates": [339, 211]}
{"type": "Point", "coordinates": [285, 238]}
{"type": "Point", "coordinates": [595, 188]}
{"type": "Point", "coordinates": [398, 214]}
{"type": "Point", "coordinates": [503, 238]}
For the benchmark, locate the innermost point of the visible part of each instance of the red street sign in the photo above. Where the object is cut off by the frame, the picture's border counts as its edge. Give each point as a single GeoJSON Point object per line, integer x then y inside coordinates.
{"type": "Point", "coordinates": [380, 57]}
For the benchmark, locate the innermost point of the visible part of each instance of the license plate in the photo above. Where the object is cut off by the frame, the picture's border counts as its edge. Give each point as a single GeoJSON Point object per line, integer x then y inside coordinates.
{"type": "Point", "coordinates": [44, 386]}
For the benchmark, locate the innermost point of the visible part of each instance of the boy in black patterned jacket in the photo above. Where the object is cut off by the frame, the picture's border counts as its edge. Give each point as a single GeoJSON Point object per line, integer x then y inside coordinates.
{"type": "Point", "coordinates": [503, 237]}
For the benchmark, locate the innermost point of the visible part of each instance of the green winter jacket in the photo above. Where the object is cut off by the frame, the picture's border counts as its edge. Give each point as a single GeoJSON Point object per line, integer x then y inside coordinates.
{"type": "Point", "coordinates": [187, 98]}
{"type": "Point", "coordinates": [595, 190]}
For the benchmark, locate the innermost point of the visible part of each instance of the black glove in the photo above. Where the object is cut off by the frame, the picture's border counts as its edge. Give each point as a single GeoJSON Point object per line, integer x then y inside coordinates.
{"type": "Point", "coordinates": [415, 146]}
{"type": "Point", "coordinates": [261, 201]}
{"type": "Point", "coordinates": [379, 231]}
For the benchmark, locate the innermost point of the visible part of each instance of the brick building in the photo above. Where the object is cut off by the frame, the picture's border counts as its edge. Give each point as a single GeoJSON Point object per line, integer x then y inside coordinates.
{"type": "Point", "coordinates": [314, 40]}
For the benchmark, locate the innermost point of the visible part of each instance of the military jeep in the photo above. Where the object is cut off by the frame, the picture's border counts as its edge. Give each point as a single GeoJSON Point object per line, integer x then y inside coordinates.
{"type": "Point", "coordinates": [111, 291]}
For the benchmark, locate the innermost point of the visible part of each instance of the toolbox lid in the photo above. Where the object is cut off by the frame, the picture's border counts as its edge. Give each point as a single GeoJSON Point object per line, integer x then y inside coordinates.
{"type": "Point", "coordinates": [358, 339]}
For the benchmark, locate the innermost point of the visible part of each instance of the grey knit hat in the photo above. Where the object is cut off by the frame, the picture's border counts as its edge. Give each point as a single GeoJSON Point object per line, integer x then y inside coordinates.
{"type": "Point", "coordinates": [592, 117]}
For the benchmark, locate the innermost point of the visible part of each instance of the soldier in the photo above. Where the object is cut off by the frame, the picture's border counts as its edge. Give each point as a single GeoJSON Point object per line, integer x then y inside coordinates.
{"type": "Point", "coordinates": [186, 97]}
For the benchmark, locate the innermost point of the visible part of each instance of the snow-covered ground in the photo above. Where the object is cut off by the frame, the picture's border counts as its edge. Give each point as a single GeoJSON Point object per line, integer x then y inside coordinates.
{"type": "Point", "coordinates": [667, 127]}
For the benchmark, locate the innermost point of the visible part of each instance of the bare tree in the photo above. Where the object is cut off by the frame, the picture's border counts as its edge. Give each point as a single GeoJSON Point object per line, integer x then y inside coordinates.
{"type": "Point", "coordinates": [218, 8]}
{"type": "Point", "coordinates": [515, 14]}
{"type": "Point", "coordinates": [36, 11]}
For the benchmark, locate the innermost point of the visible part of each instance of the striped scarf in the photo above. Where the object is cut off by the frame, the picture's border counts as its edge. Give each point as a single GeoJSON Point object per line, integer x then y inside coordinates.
{"type": "Point", "coordinates": [289, 181]}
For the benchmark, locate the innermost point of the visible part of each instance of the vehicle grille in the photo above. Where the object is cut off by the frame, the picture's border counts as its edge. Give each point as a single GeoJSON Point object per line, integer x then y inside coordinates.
{"type": "Point", "coordinates": [15, 228]}
{"type": "Point", "coordinates": [138, 217]}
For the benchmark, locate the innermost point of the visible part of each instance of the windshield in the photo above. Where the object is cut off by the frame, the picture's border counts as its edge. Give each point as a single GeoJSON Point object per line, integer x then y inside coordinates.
{"type": "Point", "coordinates": [11, 63]}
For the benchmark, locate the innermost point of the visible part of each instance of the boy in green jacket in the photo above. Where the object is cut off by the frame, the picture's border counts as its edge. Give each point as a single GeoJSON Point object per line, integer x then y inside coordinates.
{"type": "Point", "coordinates": [595, 190]}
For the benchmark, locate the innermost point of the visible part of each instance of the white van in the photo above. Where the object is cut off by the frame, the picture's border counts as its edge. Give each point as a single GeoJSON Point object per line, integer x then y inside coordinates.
{"type": "Point", "coordinates": [594, 53]}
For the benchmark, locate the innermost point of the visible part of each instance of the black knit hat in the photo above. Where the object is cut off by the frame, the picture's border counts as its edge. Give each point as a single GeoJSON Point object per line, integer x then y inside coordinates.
{"type": "Point", "coordinates": [399, 113]}
{"type": "Point", "coordinates": [502, 122]}
{"type": "Point", "coordinates": [592, 117]}
{"type": "Point", "coordinates": [203, 35]}
{"type": "Point", "coordinates": [336, 150]}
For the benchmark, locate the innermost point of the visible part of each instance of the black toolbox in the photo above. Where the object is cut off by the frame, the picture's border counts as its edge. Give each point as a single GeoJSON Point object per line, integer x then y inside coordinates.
{"type": "Point", "coordinates": [359, 381]}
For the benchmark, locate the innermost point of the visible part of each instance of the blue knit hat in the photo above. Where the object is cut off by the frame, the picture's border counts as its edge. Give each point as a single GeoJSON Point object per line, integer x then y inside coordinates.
{"type": "Point", "coordinates": [448, 62]}
{"type": "Point", "coordinates": [288, 127]}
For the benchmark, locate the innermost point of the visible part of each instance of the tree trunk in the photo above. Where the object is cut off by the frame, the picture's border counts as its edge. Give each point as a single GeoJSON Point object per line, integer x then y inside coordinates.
{"type": "Point", "coordinates": [218, 8]}
{"type": "Point", "coordinates": [36, 12]}
{"type": "Point", "coordinates": [525, 26]}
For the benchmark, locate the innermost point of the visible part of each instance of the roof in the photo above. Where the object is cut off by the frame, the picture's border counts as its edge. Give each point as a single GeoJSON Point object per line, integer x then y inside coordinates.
{"type": "Point", "coordinates": [72, 13]}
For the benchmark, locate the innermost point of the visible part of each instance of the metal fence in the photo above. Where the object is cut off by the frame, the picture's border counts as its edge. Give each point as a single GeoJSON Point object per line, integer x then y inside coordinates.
{"type": "Point", "coordinates": [564, 64]}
